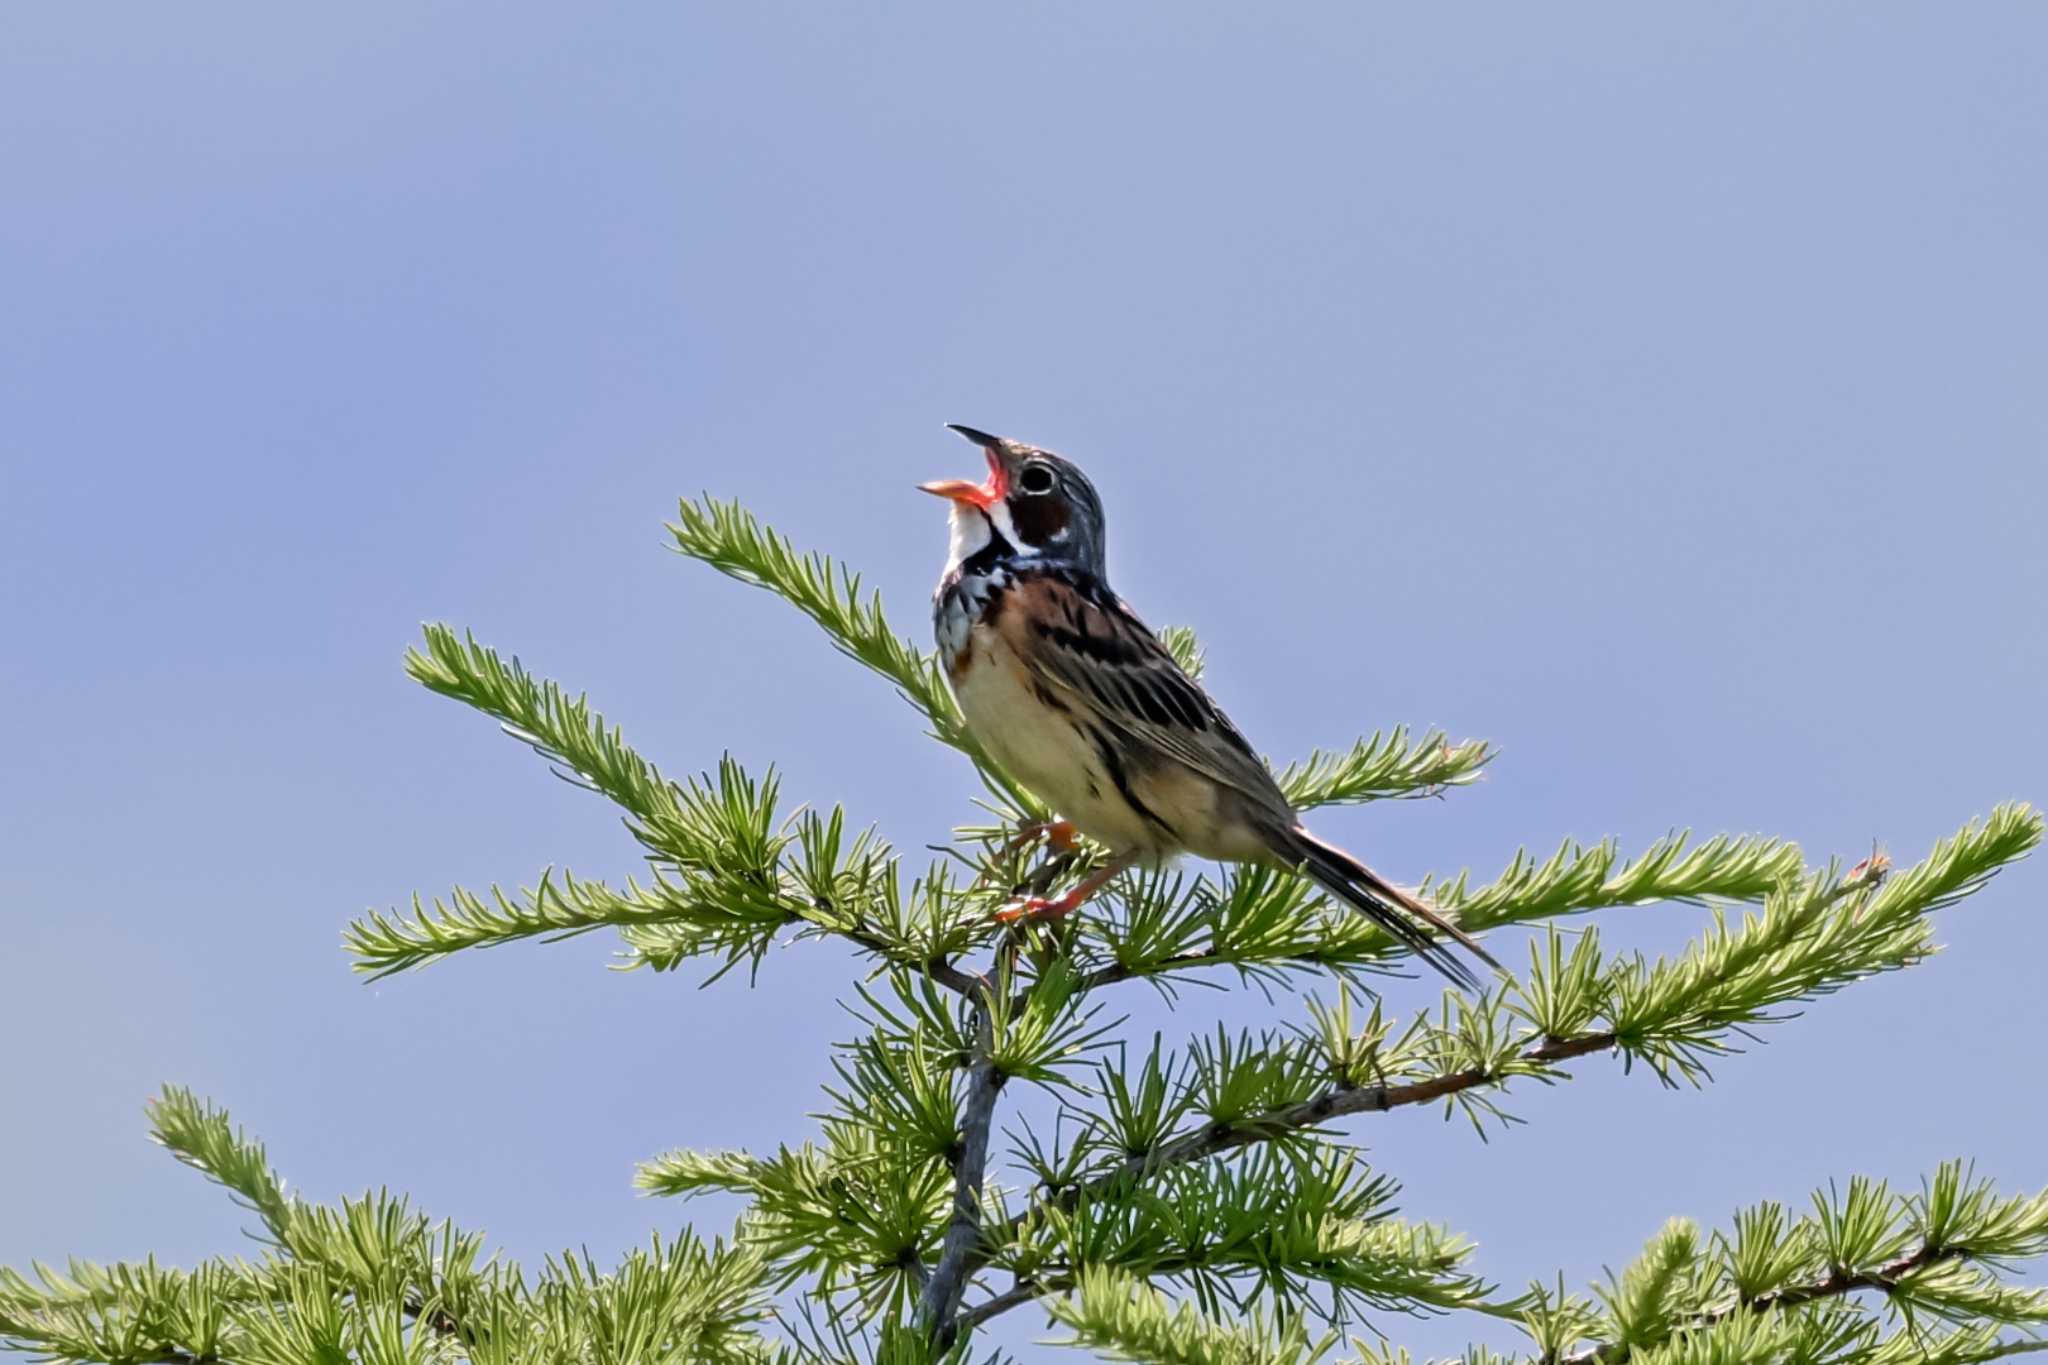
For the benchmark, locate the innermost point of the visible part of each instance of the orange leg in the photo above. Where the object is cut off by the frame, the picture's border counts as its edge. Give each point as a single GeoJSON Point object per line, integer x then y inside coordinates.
{"type": "Point", "coordinates": [1058, 835]}
{"type": "Point", "coordinates": [1037, 907]}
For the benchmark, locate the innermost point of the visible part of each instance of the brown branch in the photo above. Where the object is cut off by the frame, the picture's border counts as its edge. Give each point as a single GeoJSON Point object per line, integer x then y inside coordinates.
{"type": "Point", "coordinates": [1337, 1102]}
{"type": "Point", "coordinates": [941, 1297]}
{"type": "Point", "coordinates": [1217, 1138]}
{"type": "Point", "coordinates": [1181, 962]}
{"type": "Point", "coordinates": [959, 1252]}
{"type": "Point", "coordinates": [1022, 1292]}
{"type": "Point", "coordinates": [1885, 1279]}
{"type": "Point", "coordinates": [938, 969]}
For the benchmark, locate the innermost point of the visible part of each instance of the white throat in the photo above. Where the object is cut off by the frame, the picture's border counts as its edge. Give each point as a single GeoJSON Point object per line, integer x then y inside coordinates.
{"type": "Point", "coordinates": [971, 534]}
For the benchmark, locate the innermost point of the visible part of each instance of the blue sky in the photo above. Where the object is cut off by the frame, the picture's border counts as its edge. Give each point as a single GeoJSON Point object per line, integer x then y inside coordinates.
{"type": "Point", "coordinates": [1656, 392]}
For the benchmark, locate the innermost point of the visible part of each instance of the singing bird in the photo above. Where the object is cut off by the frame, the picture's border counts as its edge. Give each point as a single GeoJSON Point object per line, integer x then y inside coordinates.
{"type": "Point", "coordinates": [1075, 699]}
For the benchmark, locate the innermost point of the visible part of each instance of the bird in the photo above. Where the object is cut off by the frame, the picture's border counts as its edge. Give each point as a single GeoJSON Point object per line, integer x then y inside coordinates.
{"type": "Point", "coordinates": [1069, 693]}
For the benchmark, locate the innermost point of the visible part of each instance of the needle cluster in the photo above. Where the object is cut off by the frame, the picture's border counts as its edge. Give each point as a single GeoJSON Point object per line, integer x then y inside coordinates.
{"type": "Point", "coordinates": [1195, 1200]}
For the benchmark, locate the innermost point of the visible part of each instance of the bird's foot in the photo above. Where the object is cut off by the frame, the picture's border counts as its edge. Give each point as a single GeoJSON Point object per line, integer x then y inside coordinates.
{"type": "Point", "coordinates": [1039, 908]}
{"type": "Point", "coordinates": [1034, 908]}
{"type": "Point", "coordinates": [1058, 835]}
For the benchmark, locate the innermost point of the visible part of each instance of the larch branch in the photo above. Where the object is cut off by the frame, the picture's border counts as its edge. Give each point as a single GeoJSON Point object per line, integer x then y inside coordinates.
{"type": "Point", "coordinates": [956, 1258]}
{"type": "Point", "coordinates": [1885, 1279]}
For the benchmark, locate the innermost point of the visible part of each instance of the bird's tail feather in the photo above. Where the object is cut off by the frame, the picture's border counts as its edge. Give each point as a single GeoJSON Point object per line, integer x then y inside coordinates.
{"type": "Point", "coordinates": [1401, 913]}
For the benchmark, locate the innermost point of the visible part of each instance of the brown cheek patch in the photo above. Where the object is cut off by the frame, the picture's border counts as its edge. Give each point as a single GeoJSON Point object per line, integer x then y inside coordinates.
{"type": "Point", "coordinates": [1039, 519]}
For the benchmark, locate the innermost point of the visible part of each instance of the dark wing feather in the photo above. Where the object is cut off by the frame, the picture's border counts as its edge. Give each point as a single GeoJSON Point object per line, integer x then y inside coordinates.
{"type": "Point", "coordinates": [1090, 647]}
{"type": "Point", "coordinates": [1083, 642]}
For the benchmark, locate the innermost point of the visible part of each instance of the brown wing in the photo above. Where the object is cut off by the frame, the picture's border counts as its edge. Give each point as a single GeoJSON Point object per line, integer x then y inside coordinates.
{"type": "Point", "coordinates": [1084, 643]}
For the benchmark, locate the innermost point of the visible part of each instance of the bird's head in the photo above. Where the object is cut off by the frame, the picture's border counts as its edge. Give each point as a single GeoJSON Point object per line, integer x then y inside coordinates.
{"type": "Point", "coordinates": [1035, 502]}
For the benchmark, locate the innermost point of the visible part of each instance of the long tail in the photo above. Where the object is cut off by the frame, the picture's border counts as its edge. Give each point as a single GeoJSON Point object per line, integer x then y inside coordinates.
{"type": "Point", "coordinates": [1400, 913]}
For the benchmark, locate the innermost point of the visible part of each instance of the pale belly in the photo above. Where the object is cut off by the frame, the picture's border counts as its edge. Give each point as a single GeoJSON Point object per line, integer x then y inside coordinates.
{"type": "Point", "coordinates": [1049, 751]}
{"type": "Point", "coordinates": [1159, 810]}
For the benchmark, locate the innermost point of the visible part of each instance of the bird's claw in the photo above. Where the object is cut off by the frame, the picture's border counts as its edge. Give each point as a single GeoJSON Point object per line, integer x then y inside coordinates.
{"type": "Point", "coordinates": [1038, 908]}
{"type": "Point", "coordinates": [1034, 908]}
{"type": "Point", "coordinates": [1058, 835]}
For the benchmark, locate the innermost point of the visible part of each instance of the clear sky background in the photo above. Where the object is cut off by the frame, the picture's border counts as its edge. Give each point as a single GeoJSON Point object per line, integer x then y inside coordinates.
{"type": "Point", "coordinates": [1658, 392]}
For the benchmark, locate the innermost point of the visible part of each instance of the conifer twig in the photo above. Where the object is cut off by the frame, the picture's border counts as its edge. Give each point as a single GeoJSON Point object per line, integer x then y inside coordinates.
{"type": "Point", "coordinates": [1016, 1296]}
{"type": "Point", "coordinates": [1339, 1101]}
{"type": "Point", "coordinates": [1217, 1172]}
{"type": "Point", "coordinates": [1887, 1279]}
{"type": "Point", "coordinates": [948, 1280]}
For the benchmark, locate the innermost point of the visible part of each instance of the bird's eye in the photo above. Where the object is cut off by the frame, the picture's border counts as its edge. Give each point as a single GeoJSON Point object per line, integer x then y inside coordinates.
{"type": "Point", "coordinates": [1036, 478]}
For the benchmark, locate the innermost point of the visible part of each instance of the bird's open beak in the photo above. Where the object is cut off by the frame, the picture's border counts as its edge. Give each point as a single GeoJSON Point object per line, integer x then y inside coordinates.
{"type": "Point", "coordinates": [981, 495]}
